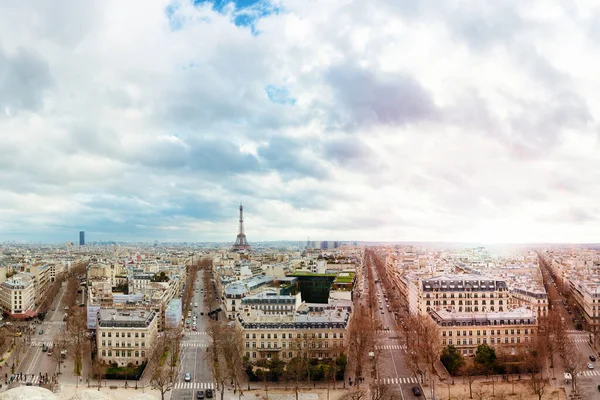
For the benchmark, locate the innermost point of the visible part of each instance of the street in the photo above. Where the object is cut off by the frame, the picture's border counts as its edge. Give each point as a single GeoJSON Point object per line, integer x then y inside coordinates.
{"type": "Point", "coordinates": [195, 344]}
{"type": "Point", "coordinates": [389, 346]}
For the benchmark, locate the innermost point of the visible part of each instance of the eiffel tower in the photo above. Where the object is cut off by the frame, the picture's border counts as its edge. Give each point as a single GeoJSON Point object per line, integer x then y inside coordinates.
{"type": "Point", "coordinates": [240, 242]}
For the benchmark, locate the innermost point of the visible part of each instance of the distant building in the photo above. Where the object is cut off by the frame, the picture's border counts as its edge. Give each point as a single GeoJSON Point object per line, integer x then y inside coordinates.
{"type": "Point", "coordinates": [125, 336]}
{"type": "Point", "coordinates": [82, 238]}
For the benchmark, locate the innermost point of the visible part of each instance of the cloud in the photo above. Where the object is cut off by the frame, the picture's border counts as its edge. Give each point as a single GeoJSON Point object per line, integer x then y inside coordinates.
{"type": "Point", "coordinates": [375, 120]}
{"type": "Point", "coordinates": [369, 99]}
{"type": "Point", "coordinates": [24, 80]}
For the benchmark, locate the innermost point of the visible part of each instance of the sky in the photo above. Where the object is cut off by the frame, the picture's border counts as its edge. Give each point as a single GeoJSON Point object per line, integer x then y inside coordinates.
{"type": "Point", "coordinates": [377, 120]}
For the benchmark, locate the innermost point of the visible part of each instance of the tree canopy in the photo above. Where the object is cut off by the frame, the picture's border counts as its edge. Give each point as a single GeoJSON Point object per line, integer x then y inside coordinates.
{"type": "Point", "coordinates": [452, 359]}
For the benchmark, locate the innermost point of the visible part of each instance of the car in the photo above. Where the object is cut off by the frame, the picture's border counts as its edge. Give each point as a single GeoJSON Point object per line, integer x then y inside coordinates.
{"type": "Point", "coordinates": [194, 328]}
{"type": "Point", "coordinates": [187, 321]}
{"type": "Point", "coordinates": [590, 366]}
{"type": "Point", "coordinates": [18, 334]}
{"type": "Point", "coordinates": [381, 311]}
{"type": "Point", "coordinates": [592, 358]}
{"type": "Point", "coordinates": [41, 331]}
{"type": "Point", "coordinates": [189, 313]}
{"type": "Point", "coordinates": [200, 394]}
{"type": "Point", "coordinates": [569, 311]}
{"type": "Point", "coordinates": [187, 377]}
{"type": "Point", "coordinates": [44, 348]}
{"type": "Point", "coordinates": [416, 391]}
{"type": "Point", "coordinates": [209, 393]}
{"type": "Point", "coordinates": [195, 304]}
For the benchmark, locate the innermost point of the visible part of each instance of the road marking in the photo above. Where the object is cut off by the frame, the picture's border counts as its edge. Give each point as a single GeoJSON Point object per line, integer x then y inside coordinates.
{"type": "Point", "coordinates": [40, 344]}
{"type": "Point", "coordinates": [194, 344]}
{"type": "Point", "coordinates": [195, 333]}
{"type": "Point", "coordinates": [398, 381]}
{"type": "Point", "coordinates": [584, 340]}
{"type": "Point", "coordinates": [590, 373]}
{"type": "Point", "coordinates": [391, 347]}
{"type": "Point", "coordinates": [194, 385]}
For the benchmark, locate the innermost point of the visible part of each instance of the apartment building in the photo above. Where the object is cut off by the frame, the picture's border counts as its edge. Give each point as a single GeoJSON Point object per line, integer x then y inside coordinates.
{"type": "Point", "coordinates": [17, 296]}
{"type": "Point", "coordinates": [587, 296]}
{"type": "Point", "coordinates": [278, 326]}
{"type": "Point", "coordinates": [41, 274]}
{"type": "Point", "coordinates": [125, 336]}
{"type": "Point", "coordinates": [466, 293]}
{"type": "Point", "coordinates": [508, 330]}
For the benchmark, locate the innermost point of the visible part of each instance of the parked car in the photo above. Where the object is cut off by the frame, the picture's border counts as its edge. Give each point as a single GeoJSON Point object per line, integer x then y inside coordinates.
{"type": "Point", "coordinates": [416, 391]}
{"type": "Point", "coordinates": [200, 394]}
{"type": "Point", "coordinates": [592, 358]}
{"type": "Point", "coordinates": [209, 393]}
{"type": "Point", "coordinates": [187, 377]}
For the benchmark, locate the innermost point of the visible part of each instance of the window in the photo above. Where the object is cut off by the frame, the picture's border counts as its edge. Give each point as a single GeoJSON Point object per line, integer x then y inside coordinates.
{"type": "Point", "coordinates": [103, 334]}
{"type": "Point", "coordinates": [103, 343]}
{"type": "Point", "coordinates": [143, 353]}
{"type": "Point", "coordinates": [103, 353]}
{"type": "Point", "coordinates": [136, 334]}
{"type": "Point", "coordinates": [128, 334]}
{"type": "Point", "coordinates": [110, 353]}
{"type": "Point", "coordinates": [117, 334]}
{"type": "Point", "coordinates": [108, 334]}
{"type": "Point", "coordinates": [247, 345]}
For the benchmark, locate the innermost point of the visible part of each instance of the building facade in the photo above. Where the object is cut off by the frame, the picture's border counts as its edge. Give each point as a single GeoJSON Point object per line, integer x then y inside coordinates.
{"type": "Point", "coordinates": [508, 330]}
{"type": "Point", "coordinates": [125, 336]}
{"type": "Point", "coordinates": [17, 296]}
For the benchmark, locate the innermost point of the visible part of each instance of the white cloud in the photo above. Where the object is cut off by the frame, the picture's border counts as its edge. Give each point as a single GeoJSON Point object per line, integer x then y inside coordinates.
{"type": "Point", "coordinates": [411, 121]}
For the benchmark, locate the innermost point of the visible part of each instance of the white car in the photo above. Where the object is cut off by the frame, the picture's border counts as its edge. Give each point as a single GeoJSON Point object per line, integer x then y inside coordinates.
{"type": "Point", "coordinates": [195, 304]}
{"type": "Point", "coordinates": [590, 366]}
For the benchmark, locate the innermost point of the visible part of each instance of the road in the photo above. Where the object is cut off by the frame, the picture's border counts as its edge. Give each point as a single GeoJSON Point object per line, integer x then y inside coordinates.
{"type": "Point", "coordinates": [389, 347]}
{"type": "Point", "coordinates": [195, 351]}
{"type": "Point", "coordinates": [36, 361]}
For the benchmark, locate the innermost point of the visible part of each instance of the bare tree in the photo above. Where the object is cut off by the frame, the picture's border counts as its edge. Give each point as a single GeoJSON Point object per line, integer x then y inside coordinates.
{"type": "Point", "coordinates": [380, 391]}
{"type": "Point", "coordinates": [172, 342]}
{"type": "Point", "coordinates": [77, 339]}
{"type": "Point", "coordinates": [218, 363]}
{"type": "Point", "coordinates": [481, 393]}
{"type": "Point", "coordinates": [357, 394]}
{"type": "Point", "coordinates": [362, 340]}
{"type": "Point", "coordinates": [572, 362]}
{"type": "Point", "coordinates": [58, 351]}
{"type": "Point", "coordinates": [470, 372]}
{"type": "Point", "coordinates": [162, 376]}
{"type": "Point", "coordinates": [99, 369]}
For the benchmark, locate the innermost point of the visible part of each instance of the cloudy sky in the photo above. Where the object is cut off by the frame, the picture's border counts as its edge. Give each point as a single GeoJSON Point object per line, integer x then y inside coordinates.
{"type": "Point", "coordinates": [330, 119]}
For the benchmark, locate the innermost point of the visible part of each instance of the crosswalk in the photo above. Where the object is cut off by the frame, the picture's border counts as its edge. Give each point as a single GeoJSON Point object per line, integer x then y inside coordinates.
{"type": "Point", "coordinates": [40, 344]}
{"type": "Point", "coordinates": [194, 344]}
{"type": "Point", "coordinates": [391, 347]}
{"type": "Point", "coordinates": [380, 331]}
{"type": "Point", "coordinates": [192, 333]}
{"type": "Point", "coordinates": [194, 385]}
{"type": "Point", "coordinates": [52, 323]}
{"type": "Point", "coordinates": [590, 372]}
{"type": "Point", "coordinates": [582, 340]}
{"type": "Point", "coordinates": [574, 331]}
{"type": "Point", "coordinates": [398, 381]}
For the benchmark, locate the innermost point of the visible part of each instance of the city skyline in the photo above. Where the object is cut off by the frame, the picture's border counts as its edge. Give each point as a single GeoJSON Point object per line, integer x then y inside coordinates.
{"type": "Point", "coordinates": [349, 121]}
